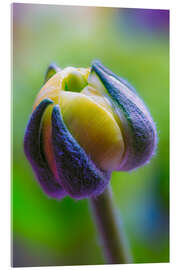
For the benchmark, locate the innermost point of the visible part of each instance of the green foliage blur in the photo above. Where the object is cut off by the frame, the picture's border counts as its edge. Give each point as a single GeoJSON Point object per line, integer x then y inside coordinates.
{"type": "Point", "coordinates": [50, 232]}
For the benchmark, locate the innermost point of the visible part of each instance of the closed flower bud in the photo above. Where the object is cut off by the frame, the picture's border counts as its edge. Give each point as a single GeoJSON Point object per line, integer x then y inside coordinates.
{"type": "Point", "coordinates": [85, 124]}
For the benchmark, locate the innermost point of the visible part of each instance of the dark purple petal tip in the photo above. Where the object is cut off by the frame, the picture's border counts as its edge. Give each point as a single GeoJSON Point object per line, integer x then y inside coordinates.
{"type": "Point", "coordinates": [32, 148]}
{"type": "Point", "coordinates": [78, 175]}
{"type": "Point", "coordinates": [51, 70]}
{"type": "Point", "coordinates": [138, 128]}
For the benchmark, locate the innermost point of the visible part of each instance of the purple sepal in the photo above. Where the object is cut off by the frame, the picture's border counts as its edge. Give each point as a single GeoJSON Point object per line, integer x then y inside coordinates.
{"type": "Point", "coordinates": [138, 128]}
{"type": "Point", "coordinates": [51, 70]}
{"type": "Point", "coordinates": [78, 175]}
{"type": "Point", "coordinates": [33, 151]}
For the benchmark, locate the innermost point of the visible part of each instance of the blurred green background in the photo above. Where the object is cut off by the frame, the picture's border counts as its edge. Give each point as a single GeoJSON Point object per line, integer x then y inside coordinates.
{"type": "Point", "coordinates": [134, 43]}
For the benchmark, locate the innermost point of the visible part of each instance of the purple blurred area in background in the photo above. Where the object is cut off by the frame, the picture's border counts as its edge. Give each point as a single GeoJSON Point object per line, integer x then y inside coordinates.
{"type": "Point", "coordinates": [146, 20]}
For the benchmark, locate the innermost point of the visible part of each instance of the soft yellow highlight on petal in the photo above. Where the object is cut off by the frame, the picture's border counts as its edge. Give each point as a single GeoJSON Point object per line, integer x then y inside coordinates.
{"type": "Point", "coordinates": [85, 72]}
{"type": "Point", "coordinates": [97, 97]}
{"type": "Point", "coordinates": [46, 132]}
{"type": "Point", "coordinates": [94, 128]}
{"type": "Point", "coordinates": [51, 89]}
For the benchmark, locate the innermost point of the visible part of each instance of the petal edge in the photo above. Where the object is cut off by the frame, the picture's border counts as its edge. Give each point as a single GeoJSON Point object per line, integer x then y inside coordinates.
{"type": "Point", "coordinates": [77, 173]}
{"type": "Point", "coordinates": [34, 155]}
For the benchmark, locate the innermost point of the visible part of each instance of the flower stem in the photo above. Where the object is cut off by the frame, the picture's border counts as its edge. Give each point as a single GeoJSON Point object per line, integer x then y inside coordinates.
{"type": "Point", "coordinates": [111, 235]}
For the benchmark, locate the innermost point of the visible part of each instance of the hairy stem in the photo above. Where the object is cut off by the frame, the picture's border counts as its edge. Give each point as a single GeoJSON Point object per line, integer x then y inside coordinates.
{"type": "Point", "coordinates": [111, 235]}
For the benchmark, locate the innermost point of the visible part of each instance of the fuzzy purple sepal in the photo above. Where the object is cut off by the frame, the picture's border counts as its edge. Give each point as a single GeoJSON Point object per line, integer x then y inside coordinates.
{"type": "Point", "coordinates": [33, 151]}
{"type": "Point", "coordinates": [78, 175]}
{"type": "Point", "coordinates": [138, 128]}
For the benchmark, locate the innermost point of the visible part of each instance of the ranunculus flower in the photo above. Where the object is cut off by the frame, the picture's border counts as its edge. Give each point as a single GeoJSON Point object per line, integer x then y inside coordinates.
{"type": "Point", "coordinates": [85, 124]}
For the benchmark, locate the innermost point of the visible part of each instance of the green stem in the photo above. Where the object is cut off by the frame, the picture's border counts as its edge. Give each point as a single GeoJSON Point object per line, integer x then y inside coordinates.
{"type": "Point", "coordinates": [111, 235]}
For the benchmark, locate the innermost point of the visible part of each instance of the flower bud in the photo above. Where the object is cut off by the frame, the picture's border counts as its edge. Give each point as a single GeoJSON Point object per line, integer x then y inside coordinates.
{"type": "Point", "coordinates": [90, 122]}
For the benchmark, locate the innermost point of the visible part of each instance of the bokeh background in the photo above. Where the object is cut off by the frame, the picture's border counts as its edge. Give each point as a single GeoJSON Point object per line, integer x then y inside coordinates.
{"type": "Point", "coordinates": [134, 43]}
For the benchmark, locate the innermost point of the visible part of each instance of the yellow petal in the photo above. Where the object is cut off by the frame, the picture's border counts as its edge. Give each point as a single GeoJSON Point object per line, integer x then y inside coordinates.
{"type": "Point", "coordinates": [94, 128]}
{"type": "Point", "coordinates": [74, 78]}
{"type": "Point", "coordinates": [51, 89]}
{"type": "Point", "coordinates": [46, 132]}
